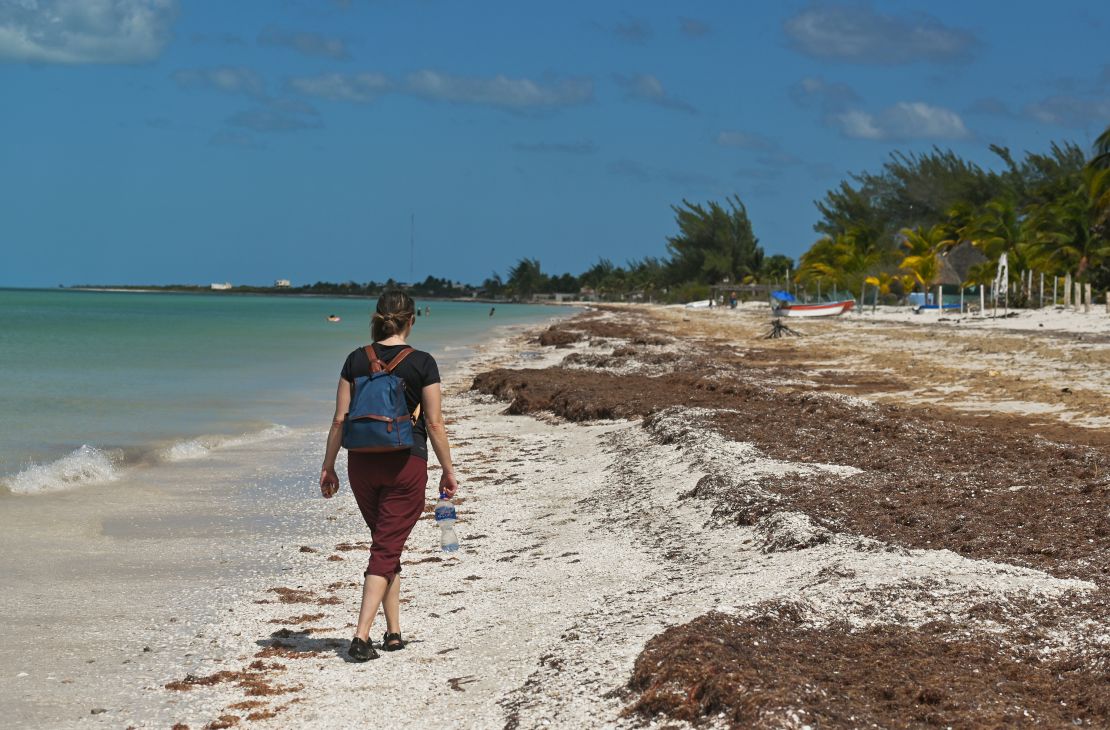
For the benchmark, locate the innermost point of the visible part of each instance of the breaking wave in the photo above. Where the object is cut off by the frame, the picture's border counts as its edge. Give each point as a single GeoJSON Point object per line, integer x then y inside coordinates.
{"type": "Point", "coordinates": [202, 446]}
{"type": "Point", "coordinates": [89, 465]}
{"type": "Point", "coordinates": [83, 466]}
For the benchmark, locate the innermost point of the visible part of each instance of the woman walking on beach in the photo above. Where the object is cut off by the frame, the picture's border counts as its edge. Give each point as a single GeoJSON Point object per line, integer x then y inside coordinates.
{"type": "Point", "coordinates": [389, 486]}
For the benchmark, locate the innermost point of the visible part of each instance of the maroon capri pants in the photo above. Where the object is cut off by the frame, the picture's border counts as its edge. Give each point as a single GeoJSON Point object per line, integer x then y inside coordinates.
{"type": "Point", "coordinates": [389, 489]}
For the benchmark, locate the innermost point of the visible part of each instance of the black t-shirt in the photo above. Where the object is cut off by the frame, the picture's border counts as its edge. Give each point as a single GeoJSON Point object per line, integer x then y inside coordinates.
{"type": "Point", "coordinates": [416, 370]}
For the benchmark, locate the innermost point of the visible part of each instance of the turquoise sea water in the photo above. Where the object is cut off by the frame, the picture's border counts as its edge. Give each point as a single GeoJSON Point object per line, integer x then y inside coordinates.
{"type": "Point", "coordinates": [91, 382]}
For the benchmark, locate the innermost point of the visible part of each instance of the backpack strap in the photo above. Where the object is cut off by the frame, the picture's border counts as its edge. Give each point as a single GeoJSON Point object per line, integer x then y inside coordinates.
{"type": "Point", "coordinates": [376, 366]}
{"type": "Point", "coordinates": [398, 359]}
{"type": "Point", "coordinates": [394, 363]}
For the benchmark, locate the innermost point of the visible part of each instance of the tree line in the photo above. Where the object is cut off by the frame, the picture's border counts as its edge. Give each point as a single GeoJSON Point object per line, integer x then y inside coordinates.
{"type": "Point", "coordinates": [1047, 211]}
{"type": "Point", "coordinates": [714, 244]}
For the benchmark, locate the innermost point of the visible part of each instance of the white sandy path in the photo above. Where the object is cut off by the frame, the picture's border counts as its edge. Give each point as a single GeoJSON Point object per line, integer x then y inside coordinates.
{"type": "Point", "coordinates": [588, 552]}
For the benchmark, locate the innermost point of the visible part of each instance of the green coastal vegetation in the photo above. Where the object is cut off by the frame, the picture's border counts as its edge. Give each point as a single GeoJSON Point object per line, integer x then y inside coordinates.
{"type": "Point", "coordinates": [1048, 212]}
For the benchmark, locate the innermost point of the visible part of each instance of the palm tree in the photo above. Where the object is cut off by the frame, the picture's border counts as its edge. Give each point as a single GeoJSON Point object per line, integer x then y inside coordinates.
{"type": "Point", "coordinates": [1070, 231]}
{"type": "Point", "coordinates": [1102, 150]}
{"type": "Point", "coordinates": [1000, 228]}
{"type": "Point", "coordinates": [921, 248]}
{"type": "Point", "coordinates": [843, 261]}
{"type": "Point", "coordinates": [1099, 183]}
{"type": "Point", "coordinates": [525, 278]}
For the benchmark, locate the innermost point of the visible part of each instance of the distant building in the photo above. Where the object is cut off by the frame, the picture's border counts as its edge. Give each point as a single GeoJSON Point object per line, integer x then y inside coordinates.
{"type": "Point", "coordinates": [282, 284]}
{"type": "Point", "coordinates": [221, 287]}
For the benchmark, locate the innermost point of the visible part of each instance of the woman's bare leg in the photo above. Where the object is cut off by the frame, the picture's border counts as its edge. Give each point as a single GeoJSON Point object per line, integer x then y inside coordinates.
{"type": "Point", "coordinates": [373, 590]}
{"type": "Point", "coordinates": [391, 606]}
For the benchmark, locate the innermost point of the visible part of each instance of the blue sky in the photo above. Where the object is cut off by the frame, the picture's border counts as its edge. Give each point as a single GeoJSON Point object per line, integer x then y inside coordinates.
{"type": "Point", "coordinates": [162, 141]}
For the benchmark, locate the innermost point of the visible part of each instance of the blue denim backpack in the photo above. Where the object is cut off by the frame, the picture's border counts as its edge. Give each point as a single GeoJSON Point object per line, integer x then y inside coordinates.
{"type": "Point", "coordinates": [379, 420]}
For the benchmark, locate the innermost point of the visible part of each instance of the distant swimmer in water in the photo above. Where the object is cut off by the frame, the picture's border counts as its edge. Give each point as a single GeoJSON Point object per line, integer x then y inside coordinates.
{"type": "Point", "coordinates": [427, 311]}
{"type": "Point", "coordinates": [333, 318]}
{"type": "Point", "coordinates": [491, 310]}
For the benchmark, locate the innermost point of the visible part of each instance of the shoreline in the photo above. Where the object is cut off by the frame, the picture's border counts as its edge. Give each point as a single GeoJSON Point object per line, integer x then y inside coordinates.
{"type": "Point", "coordinates": [288, 293]}
{"type": "Point", "coordinates": [140, 569]}
{"type": "Point", "coordinates": [595, 526]}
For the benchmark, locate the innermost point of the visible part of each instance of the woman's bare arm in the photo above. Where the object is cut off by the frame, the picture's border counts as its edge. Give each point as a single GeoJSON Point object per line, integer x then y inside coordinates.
{"type": "Point", "coordinates": [431, 399]}
{"type": "Point", "coordinates": [329, 480]}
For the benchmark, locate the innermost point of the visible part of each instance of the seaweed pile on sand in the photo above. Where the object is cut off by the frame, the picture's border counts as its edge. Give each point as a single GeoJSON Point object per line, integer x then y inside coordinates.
{"type": "Point", "coordinates": [791, 451]}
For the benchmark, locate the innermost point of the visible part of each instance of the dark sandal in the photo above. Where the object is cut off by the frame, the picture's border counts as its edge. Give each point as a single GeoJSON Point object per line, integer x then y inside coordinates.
{"type": "Point", "coordinates": [361, 651]}
{"type": "Point", "coordinates": [392, 642]}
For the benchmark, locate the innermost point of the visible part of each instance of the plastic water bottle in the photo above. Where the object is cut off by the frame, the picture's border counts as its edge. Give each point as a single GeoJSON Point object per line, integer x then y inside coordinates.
{"type": "Point", "coordinates": [445, 518]}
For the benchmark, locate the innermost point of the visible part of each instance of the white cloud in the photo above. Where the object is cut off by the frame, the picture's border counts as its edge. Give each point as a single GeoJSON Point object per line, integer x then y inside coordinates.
{"type": "Point", "coordinates": [361, 88]}
{"type": "Point", "coordinates": [229, 79]}
{"type": "Point", "coordinates": [905, 120]}
{"type": "Point", "coordinates": [278, 115]}
{"type": "Point", "coordinates": [270, 119]}
{"type": "Point", "coordinates": [85, 31]}
{"type": "Point", "coordinates": [519, 94]}
{"type": "Point", "coordinates": [858, 33]}
{"type": "Point", "coordinates": [832, 96]}
{"type": "Point", "coordinates": [858, 124]}
{"type": "Point", "coordinates": [645, 87]}
{"type": "Point", "coordinates": [1071, 111]}
{"type": "Point", "coordinates": [309, 44]}
{"type": "Point", "coordinates": [500, 91]}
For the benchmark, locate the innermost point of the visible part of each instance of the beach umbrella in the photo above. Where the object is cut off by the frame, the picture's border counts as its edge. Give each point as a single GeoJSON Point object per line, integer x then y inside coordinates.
{"type": "Point", "coordinates": [783, 296]}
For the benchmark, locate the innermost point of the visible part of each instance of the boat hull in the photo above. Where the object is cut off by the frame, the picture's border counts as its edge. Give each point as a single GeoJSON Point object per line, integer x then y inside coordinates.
{"type": "Point", "coordinates": [822, 309]}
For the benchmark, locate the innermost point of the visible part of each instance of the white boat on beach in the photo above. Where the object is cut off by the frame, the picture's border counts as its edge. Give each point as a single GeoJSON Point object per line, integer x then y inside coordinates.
{"type": "Point", "coordinates": [701, 304]}
{"type": "Point", "coordinates": [818, 309]}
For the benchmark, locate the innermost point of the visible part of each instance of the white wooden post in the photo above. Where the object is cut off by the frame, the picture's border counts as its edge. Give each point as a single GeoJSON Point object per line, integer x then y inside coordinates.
{"type": "Point", "coordinates": [1067, 290]}
{"type": "Point", "coordinates": [982, 300]}
{"type": "Point", "coordinates": [1087, 301]}
{"type": "Point", "coordinates": [1078, 295]}
{"type": "Point", "coordinates": [1042, 290]}
{"type": "Point", "coordinates": [940, 298]}
{"type": "Point", "coordinates": [1055, 284]}
{"type": "Point", "coordinates": [875, 301]}
{"type": "Point", "coordinates": [961, 299]}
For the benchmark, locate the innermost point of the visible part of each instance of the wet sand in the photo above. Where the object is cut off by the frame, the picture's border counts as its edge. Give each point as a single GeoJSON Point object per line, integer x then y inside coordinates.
{"type": "Point", "coordinates": [651, 493]}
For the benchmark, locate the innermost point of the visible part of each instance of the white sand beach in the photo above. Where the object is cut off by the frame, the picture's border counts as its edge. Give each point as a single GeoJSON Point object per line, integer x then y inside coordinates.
{"type": "Point", "coordinates": [580, 542]}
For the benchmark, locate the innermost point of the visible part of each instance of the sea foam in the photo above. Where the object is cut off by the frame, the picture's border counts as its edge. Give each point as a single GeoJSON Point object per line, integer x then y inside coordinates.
{"type": "Point", "coordinates": [83, 466]}
{"type": "Point", "coordinates": [202, 446]}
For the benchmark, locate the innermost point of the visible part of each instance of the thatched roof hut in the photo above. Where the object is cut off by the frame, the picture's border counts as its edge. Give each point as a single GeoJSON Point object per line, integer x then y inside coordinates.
{"type": "Point", "coordinates": [955, 264]}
